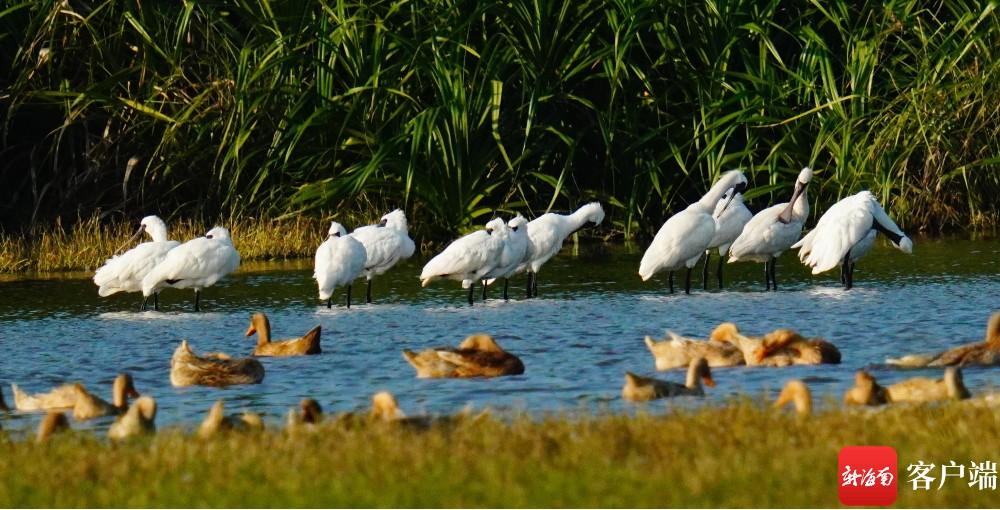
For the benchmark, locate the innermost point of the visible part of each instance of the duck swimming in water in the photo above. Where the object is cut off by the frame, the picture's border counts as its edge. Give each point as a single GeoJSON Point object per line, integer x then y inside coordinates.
{"type": "Point", "coordinates": [477, 356]}
{"type": "Point", "coordinates": [187, 369]}
{"type": "Point", "coordinates": [305, 344]}
{"type": "Point", "coordinates": [678, 351]}
{"type": "Point", "coordinates": [865, 392]}
{"type": "Point", "coordinates": [640, 389]}
{"type": "Point", "coordinates": [796, 393]}
{"type": "Point", "coordinates": [924, 389]}
{"type": "Point", "coordinates": [986, 352]}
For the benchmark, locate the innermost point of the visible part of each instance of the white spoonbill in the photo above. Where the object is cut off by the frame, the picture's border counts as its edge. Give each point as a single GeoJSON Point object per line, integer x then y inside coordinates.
{"type": "Point", "coordinates": [196, 264]}
{"type": "Point", "coordinates": [546, 234]}
{"type": "Point", "coordinates": [124, 273]}
{"type": "Point", "coordinates": [774, 230]}
{"type": "Point", "coordinates": [468, 258]}
{"type": "Point", "coordinates": [841, 235]}
{"type": "Point", "coordinates": [515, 246]}
{"type": "Point", "coordinates": [685, 236]}
{"type": "Point", "coordinates": [339, 261]}
{"type": "Point", "coordinates": [729, 223]}
{"type": "Point", "coordinates": [386, 243]}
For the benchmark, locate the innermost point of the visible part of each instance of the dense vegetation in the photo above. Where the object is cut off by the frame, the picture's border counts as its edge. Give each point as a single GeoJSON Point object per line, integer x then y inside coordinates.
{"type": "Point", "coordinates": [738, 455]}
{"type": "Point", "coordinates": [456, 108]}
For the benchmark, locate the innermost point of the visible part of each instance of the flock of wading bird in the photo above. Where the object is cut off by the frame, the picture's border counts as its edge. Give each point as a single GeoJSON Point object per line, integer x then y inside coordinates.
{"type": "Point", "coordinates": [719, 220]}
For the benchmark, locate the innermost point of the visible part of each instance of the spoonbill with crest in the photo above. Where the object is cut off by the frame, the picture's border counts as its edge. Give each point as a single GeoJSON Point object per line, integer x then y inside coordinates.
{"type": "Point", "coordinates": [196, 264]}
{"type": "Point", "coordinates": [124, 273]}
{"type": "Point", "coordinates": [468, 258]}
{"type": "Point", "coordinates": [386, 243]}
{"type": "Point", "coordinates": [339, 261]}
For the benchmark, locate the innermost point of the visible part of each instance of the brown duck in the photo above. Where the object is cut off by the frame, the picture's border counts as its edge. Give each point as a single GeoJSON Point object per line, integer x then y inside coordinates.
{"type": "Point", "coordinates": [216, 421]}
{"type": "Point", "coordinates": [924, 389]}
{"type": "Point", "coordinates": [89, 406]}
{"type": "Point", "coordinates": [866, 392]}
{"type": "Point", "coordinates": [780, 348]}
{"type": "Point", "coordinates": [797, 394]}
{"type": "Point", "coordinates": [187, 369]}
{"type": "Point", "coordinates": [477, 356]}
{"type": "Point", "coordinates": [640, 389]}
{"type": "Point", "coordinates": [986, 352]}
{"type": "Point", "coordinates": [306, 344]}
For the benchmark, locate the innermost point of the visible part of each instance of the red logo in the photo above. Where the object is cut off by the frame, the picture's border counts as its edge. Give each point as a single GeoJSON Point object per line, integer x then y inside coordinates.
{"type": "Point", "coordinates": [867, 475]}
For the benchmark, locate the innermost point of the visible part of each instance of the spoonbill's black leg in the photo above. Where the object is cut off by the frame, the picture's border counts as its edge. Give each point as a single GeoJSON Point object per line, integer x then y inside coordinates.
{"type": "Point", "coordinates": [671, 280]}
{"type": "Point", "coordinates": [534, 284]}
{"type": "Point", "coordinates": [687, 282]}
{"type": "Point", "coordinates": [156, 301]}
{"type": "Point", "coordinates": [530, 274]}
{"type": "Point", "coordinates": [767, 274]}
{"type": "Point", "coordinates": [719, 272]}
{"type": "Point", "coordinates": [472, 288]}
{"type": "Point", "coordinates": [484, 290]}
{"type": "Point", "coordinates": [348, 296]}
{"type": "Point", "coordinates": [197, 297]}
{"type": "Point", "coordinates": [845, 269]}
{"type": "Point", "coordinates": [329, 302]}
{"type": "Point", "coordinates": [843, 275]}
{"type": "Point", "coordinates": [505, 282]}
{"type": "Point", "coordinates": [142, 306]}
{"type": "Point", "coordinates": [368, 293]}
{"type": "Point", "coordinates": [774, 274]}
{"type": "Point", "coordinates": [704, 271]}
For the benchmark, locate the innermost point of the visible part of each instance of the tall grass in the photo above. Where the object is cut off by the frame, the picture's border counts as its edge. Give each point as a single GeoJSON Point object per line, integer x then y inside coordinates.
{"type": "Point", "coordinates": [737, 455]}
{"type": "Point", "coordinates": [455, 109]}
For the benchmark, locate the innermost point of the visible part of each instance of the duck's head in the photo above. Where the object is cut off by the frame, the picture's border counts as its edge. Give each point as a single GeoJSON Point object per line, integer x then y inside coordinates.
{"type": "Point", "coordinates": [146, 407]}
{"type": "Point", "coordinates": [725, 332]}
{"type": "Point", "coordinates": [797, 393]}
{"type": "Point", "coordinates": [336, 230]}
{"type": "Point", "coordinates": [954, 383]}
{"type": "Point", "coordinates": [518, 224]}
{"type": "Point", "coordinates": [863, 379]}
{"type": "Point", "coordinates": [993, 330]}
{"type": "Point", "coordinates": [396, 219]}
{"type": "Point", "coordinates": [123, 389]}
{"type": "Point", "coordinates": [258, 321]}
{"type": "Point", "coordinates": [701, 369]}
{"type": "Point", "coordinates": [480, 342]}
{"type": "Point", "coordinates": [53, 422]}
{"type": "Point", "coordinates": [775, 340]}
{"type": "Point", "coordinates": [385, 407]}
{"type": "Point", "coordinates": [311, 411]}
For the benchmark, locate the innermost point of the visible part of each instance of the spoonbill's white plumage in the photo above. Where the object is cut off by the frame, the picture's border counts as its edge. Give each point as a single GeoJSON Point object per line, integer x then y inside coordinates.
{"type": "Point", "coordinates": [386, 243]}
{"type": "Point", "coordinates": [468, 258]}
{"type": "Point", "coordinates": [124, 273]}
{"type": "Point", "coordinates": [546, 234]}
{"type": "Point", "coordinates": [339, 261]}
{"type": "Point", "coordinates": [841, 235]}
{"type": "Point", "coordinates": [774, 230]}
{"type": "Point", "coordinates": [685, 236]}
{"type": "Point", "coordinates": [196, 264]}
{"type": "Point", "coordinates": [729, 223]}
{"type": "Point", "coordinates": [515, 246]}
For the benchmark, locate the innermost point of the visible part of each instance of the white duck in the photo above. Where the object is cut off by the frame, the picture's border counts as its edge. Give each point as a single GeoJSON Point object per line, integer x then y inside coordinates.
{"type": "Point", "coordinates": [685, 236]}
{"type": "Point", "coordinates": [339, 261]}
{"type": "Point", "coordinates": [774, 230]}
{"type": "Point", "coordinates": [196, 264]}
{"type": "Point", "coordinates": [515, 247]}
{"type": "Point", "coordinates": [124, 273]}
{"type": "Point", "coordinates": [546, 234]}
{"type": "Point", "coordinates": [842, 233]}
{"type": "Point", "coordinates": [468, 258]}
{"type": "Point", "coordinates": [386, 243]}
{"type": "Point", "coordinates": [729, 223]}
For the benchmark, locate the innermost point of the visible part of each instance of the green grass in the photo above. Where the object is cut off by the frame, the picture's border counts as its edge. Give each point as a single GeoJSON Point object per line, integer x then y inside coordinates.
{"type": "Point", "coordinates": [454, 109]}
{"type": "Point", "coordinates": [739, 454]}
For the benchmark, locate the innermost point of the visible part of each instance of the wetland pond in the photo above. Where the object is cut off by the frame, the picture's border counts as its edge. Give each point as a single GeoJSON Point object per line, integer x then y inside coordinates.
{"type": "Point", "coordinates": [576, 340]}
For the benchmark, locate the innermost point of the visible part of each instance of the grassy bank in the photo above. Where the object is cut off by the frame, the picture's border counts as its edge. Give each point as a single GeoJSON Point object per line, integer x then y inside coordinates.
{"type": "Point", "coordinates": [735, 455]}
{"type": "Point", "coordinates": [458, 108]}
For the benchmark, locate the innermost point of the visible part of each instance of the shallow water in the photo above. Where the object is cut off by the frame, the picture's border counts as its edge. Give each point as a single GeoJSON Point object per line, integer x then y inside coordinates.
{"type": "Point", "coordinates": [576, 340]}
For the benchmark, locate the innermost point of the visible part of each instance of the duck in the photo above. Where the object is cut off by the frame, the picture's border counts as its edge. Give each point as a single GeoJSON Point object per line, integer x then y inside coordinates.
{"type": "Point", "coordinates": [88, 406]}
{"type": "Point", "coordinates": [138, 420]}
{"type": "Point", "coordinates": [187, 369]}
{"type": "Point", "coordinates": [865, 392]}
{"type": "Point", "coordinates": [477, 356]}
{"type": "Point", "coordinates": [796, 393]}
{"type": "Point", "coordinates": [924, 389]}
{"type": "Point", "coordinates": [53, 423]}
{"type": "Point", "coordinates": [678, 351]}
{"type": "Point", "coordinates": [986, 352]}
{"type": "Point", "coordinates": [306, 344]}
{"type": "Point", "coordinates": [641, 389]}
{"type": "Point", "coordinates": [386, 409]}
{"type": "Point", "coordinates": [309, 414]}
{"type": "Point", "coordinates": [216, 421]}
{"type": "Point", "coordinates": [780, 348]}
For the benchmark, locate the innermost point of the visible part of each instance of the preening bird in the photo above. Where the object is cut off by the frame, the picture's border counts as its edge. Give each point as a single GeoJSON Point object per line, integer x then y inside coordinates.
{"type": "Point", "coordinates": [842, 233]}
{"type": "Point", "coordinates": [515, 247]}
{"type": "Point", "coordinates": [339, 261]}
{"type": "Point", "coordinates": [684, 237]}
{"type": "Point", "coordinates": [729, 223]}
{"type": "Point", "coordinates": [774, 230]}
{"type": "Point", "coordinates": [196, 264]}
{"type": "Point", "coordinates": [124, 273]}
{"type": "Point", "coordinates": [468, 258]}
{"type": "Point", "coordinates": [386, 243]}
{"type": "Point", "coordinates": [546, 234]}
